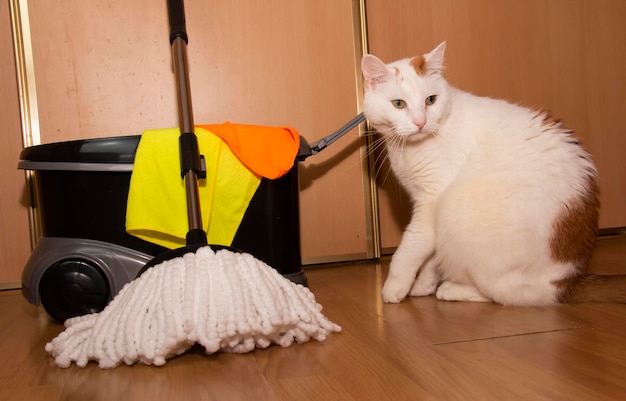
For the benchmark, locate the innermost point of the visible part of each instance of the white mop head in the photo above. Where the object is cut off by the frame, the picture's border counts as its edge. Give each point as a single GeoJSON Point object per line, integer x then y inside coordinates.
{"type": "Point", "coordinates": [224, 301]}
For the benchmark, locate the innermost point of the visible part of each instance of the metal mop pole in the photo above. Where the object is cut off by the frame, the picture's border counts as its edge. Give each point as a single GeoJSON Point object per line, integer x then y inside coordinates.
{"type": "Point", "coordinates": [190, 159]}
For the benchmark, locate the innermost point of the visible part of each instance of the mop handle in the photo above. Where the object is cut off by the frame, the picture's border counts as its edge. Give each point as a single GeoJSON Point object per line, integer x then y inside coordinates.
{"type": "Point", "coordinates": [176, 13]}
{"type": "Point", "coordinates": [190, 159]}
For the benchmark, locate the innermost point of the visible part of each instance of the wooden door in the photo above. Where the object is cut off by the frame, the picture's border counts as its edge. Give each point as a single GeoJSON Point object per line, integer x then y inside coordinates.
{"type": "Point", "coordinates": [103, 69]}
{"type": "Point", "coordinates": [14, 227]}
{"type": "Point", "coordinates": [566, 56]}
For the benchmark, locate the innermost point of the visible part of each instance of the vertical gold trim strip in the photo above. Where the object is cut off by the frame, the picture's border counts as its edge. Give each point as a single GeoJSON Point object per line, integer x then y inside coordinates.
{"type": "Point", "coordinates": [22, 45]}
{"type": "Point", "coordinates": [361, 46]}
{"type": "Point", "coordinates": [29, 112]}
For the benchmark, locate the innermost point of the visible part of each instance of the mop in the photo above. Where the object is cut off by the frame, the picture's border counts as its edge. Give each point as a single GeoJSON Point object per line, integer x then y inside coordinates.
{"type": "Point", "coordinates": [223, 300]}
{"type": "Point", "coordinates": [217, 297]}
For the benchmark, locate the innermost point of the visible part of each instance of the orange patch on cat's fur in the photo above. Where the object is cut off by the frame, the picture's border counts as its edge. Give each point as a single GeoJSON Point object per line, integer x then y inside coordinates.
{"type": "Point", "coordinates": [550, 121]}
{"type": "Point", "coordinates": [575, 229]}
{"type": "Point", "coordinates": [418, 64]}
{"type": "Point", "coordinates": [573, 240]}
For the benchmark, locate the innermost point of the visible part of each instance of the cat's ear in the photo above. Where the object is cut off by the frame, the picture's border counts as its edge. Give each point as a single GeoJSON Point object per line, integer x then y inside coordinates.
{"type": "Point", "coordinates": [374, 70]}
{"type": "Point", "coordinates": [434, 59]}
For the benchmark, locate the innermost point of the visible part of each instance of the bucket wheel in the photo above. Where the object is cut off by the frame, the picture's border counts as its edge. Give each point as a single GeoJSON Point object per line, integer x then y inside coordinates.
{"type": "Point", "coordinates": [73, 287]}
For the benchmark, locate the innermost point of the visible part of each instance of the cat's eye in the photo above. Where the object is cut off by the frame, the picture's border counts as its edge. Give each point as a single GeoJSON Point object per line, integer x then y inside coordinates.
{"type": "Point", "coordinates": [398, 103]}
{"type": "Point", "coordinates": [431, 99]}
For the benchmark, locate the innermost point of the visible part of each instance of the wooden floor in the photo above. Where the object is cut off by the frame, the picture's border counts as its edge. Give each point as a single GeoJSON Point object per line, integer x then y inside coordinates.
{"type": "Point", "coordinates": [421, 349]}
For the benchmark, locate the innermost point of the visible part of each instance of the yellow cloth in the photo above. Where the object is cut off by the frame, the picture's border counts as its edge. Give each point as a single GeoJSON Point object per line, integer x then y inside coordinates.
{"type": "Point", "coordinates": [157, 202]}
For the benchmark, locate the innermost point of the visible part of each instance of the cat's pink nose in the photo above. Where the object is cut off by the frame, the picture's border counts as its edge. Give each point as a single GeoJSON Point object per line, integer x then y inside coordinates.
{"type": "Point", "coordinates": [419, 119]}
{"type": "Point", "coordinates": [420, 123]}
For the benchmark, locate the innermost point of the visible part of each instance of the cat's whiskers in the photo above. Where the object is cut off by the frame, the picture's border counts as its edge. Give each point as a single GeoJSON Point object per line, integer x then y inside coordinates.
{"type": "Point", "coordinates": [377, 148]}
{"type": "Point", "coordinates": [374, 145]}
{"type": "Point", "coordinates": [371, 147]}
{"type": "Point", "coordinates": [380, 163]}
{"type": "Point", "coordinates": [396, 145]}
{"type": "Point", "coordinates": [381, 146]}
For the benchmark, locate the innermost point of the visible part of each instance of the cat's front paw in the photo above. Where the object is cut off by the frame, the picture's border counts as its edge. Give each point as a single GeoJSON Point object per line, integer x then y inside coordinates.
{"type": "Point", "coordinates": [423, 287]}
{"type": "Point", "coordinates": [426, 283]}
{"type": "Point", "coordinates": [394, 291]}
{"type": "Point", "coordinates": [449, 291]}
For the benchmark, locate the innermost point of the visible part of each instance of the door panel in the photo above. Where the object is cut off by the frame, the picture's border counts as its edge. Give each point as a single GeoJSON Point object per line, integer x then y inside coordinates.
{"type": "Point", "coordinates": [14, 227]}
{"type": "Point", "coordinates": [103, 69]}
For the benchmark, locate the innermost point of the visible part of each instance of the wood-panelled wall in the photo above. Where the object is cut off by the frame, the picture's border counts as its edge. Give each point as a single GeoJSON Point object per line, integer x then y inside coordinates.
{"type": "Point", "coordinates": [104, 69]}
{"type": "Point", "coordinates": [566, 56]}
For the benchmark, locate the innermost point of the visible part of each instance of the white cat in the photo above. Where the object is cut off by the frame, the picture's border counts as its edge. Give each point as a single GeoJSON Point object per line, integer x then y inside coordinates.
{"type": "Point", "coordinates": [505, 202]}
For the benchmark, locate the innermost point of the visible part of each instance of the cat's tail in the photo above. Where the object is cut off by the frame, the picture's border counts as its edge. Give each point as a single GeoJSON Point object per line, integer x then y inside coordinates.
{"type": "Point", "coordinates": [593, 288]}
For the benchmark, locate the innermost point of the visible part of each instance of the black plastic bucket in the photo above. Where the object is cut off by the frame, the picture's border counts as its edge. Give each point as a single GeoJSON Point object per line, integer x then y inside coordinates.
{"type": "Point", "coordinates": [81, 192]}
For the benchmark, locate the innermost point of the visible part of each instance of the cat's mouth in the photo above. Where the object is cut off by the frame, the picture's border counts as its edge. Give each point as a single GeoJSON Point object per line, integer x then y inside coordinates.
{"type": "Point", "coordinates": [408, 135]}
{"type": "Point", "coordinates": [416, 135]}
{"type": "Point", "coordinates": [410, 132]}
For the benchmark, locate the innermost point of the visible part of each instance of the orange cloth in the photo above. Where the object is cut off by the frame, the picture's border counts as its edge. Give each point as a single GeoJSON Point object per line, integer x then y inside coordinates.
{"type": "Point", "coordinates": [267, 151]}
